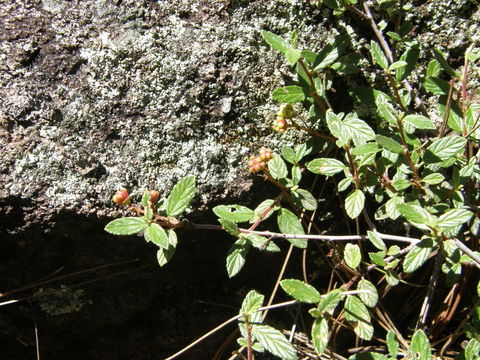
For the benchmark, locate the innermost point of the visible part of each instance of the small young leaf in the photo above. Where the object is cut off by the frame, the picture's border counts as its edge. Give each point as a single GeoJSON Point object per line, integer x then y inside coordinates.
{"type": "Point", "coordinates": [354, 203]}
{"type": "Point", "coordinates": [389, 144]}
{"type": "Point", "coordinates": [433, 69]}
{"type": "Point", "coordinates": [364, 330]}
{"type": "Point", "coordinates": [352, 255]}
{"type": "Point", "coordinates": [126, 226]}
{"type": "Point", "coordinates": [293, 55]}
{"type": "Point", "coordinates": [296, 174]}
{"type": "Point", "coordinates": [419, 122]}
{"type": "Point", "coordinates": [288, 223]}
{"type": "Point", "coordinates": [236, 258]}
{"type": "Point", "coordinates": [274, 342]}
{"type": "Point", "coordinates": [433, 179]}
{"type": "Point", "coordinates": [235, 213]}
{"type": "Point", "coordinates": [252, 302]}
{"type": "Point", "coordinates": [164, 255]}
{"type": "Point", "coordinates": [156, 234]}
{"type": "Point", "coordinates": [454, 217]}
{"type": "Point", "coordinates": [289, 94]}
{"type": "Point", "coordinates": [320, 334]}
{"type": "Point", "coordinates": [262, 207]}
{"type": "Point", "coordinates": [277, 168]}
{"type": "Point", "coordinates": [276, 42]}
{"type": "Point", "coordinates": [344, 183]}
{"type": "Point", "coordinates": [443, 148]}
{"type": "Point", "coordinates": [304, 199]}
{"type": "Point", "coordinates": [180, 196]}
{"type": "Point", "coordinates": [260, 242]}
{"type": "Point", "coordinates": [392, 344]}
{"type": "Point", "coordinates": [371, 297]}
{"type": "Point", "coordinates": [289, 154]}
{"type": "Point", "coordinates": [376, 241]}
{"type": "Point", "coordinates": [397, 65]}
{"type": "Point", "coordinates": [300, 291]}
{"type": "Point", "coordinates": [330, 300]}
{"type": "Point", "coordinates": [420, 346]}
{"type": "Point", "coordinates": [230, 227]}
{"type": "Point", "coordinates": [325, 166]}
{"type": "Point", "coordinates": [410, 56]}
{"type": "Point", "coordinates": [378, 55]}
{"type": "Point", "coordinates": [392, 278]}
{"type": "Point", "coordinates": [417, 256]}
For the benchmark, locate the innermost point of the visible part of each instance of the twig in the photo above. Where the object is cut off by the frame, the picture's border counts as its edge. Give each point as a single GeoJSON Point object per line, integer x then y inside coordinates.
{"type": "Point", "coordinates": [422, 319]}
{"type": "Point", "coordinates": [465, 249]}
{"type": "Point", "coordinates": [378, 33]}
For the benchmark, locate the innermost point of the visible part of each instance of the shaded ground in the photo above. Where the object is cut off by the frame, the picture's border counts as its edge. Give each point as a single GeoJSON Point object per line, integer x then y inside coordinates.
{"type": "Point", "coordinates": [136, 310]}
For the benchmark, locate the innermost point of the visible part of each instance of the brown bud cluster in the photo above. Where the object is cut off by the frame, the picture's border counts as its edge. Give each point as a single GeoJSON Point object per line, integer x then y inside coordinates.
{"type": "Point", "coordinates": [259, 162]}
{"type": "Point", "coordinates": [286, 112]}
{"type": "Point", "coordinates": [121, 197]}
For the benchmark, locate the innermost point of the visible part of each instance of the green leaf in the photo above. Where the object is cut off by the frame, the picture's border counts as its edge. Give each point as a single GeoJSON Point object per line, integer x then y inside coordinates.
{"type": "Point", "coordinates": [300, 291]}
{"type": "Point", "coordinates": [181, 196]}
{"type": "Point", "coordinates": [274, 342]}
{"type": "Point", "coordinates": [417, 256]}
{"type": "Point", "coordinates": [236, 258]}
{"type": "Point", "coordinates": [433, 179]}
{"type": "Point", "coordinates": [288, 223]}
{"type": "Point", "coordinates": [386, 112]}
{"type": "Point", "coordinates": [235, 213]}
{"type": "Point", "coordinates": [330, 300]}
{"type": "Point", "coordinates": [276, 41]}
{"type": "Point", "coordinates": [472, 350]}
{"type": "Point", "coordinates": [326, 166]}
{"type": "Point", "coordinates": [296, 174]}
{"type": "Point", "coordinates": [289, 94]}
{"type": "Point", "coordinates": [252, 302]}
{"type": "Point", "coordinates": [336, 128]}
{"type": "Point", "coordinates": [289, 154]}
{"type": "Point", "coordinates": [356, 312]}
{"type": "Point", "coordinates": [259, 242]}
{"type": "Point", "coordinates": [444, 148]}
{"type": "Point", "coordinates": [164, 255]}
{"type": "Point", "coordinates": [262, 207]}
{"type": "Point", "coordinates": [371, 297]}
{"type": "Point", "coordinates": [293, 55]}
{"type": "Point", "coordinates": [433, 69]}
{"type": "Point", "coordinates": [412, 213]}
{"type": "Point", "coordinates": [304, 199]}
{"type": "Point", "coordinates": [444, 64]}
{"type": "Point", "coordinates": [397, 65]}
{"type": "Point", "coordinates": [436, 86]}
{"type": "Point", "coordinates": [326, 57]}
{"type": "Point", "coordinates": [378, 55]}
{"type": "Point", "coordinates": [320, 334]}
{"type": "Point", "coordinates": [419, 122]}
{"type": "Point", "coordinates": [378, 258]}
{"type": "Point", "coordinates": [156, 234]}
{"type": "Point", "coordinates": [376, 241]}
{"type": "Point", "coordinates": [454, 217]}
{"type": "Point", "coordinates": [277, 168]}
{"type": "Point", "coordinates": [366, 149]}
{"type": "Point", "coordinates": [392, 278]}
{"type": "Point", "coordinates": [392, 344]}
{"type": "Point", "coordinates": [354, 203]}
{"type": "Point", "coordinates": [352, 255]}
{"type": "Point", "coordinates": [344, 183]}
{"type": "Point", "coordinates": [410, 57]}
{"type": "Point", "coordinates": [230, 227]}
{"type": "Point", "coordinates": [358, 131]}
{"type": "Point", "coordinates": [420, 346]}
{"type": "Point", "coordinates": [126, 226]}
{"type": "Point", "coordinates": [389, 144]}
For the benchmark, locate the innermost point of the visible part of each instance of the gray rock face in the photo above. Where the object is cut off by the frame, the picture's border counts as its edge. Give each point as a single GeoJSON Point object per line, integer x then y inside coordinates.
{"type": "Point", "coordinates": [101, 94]}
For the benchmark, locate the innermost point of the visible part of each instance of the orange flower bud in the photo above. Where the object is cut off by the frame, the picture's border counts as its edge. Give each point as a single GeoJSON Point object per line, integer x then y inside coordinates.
{"type": "Point", "coordinates": [154, 194]}
{"type": "Point", "coordinates": [121, 197]}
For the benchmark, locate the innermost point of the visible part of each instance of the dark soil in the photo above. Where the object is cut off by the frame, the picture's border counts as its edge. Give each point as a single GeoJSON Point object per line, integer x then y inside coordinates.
{"type": "Point", "coordinates": [134, 310]}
